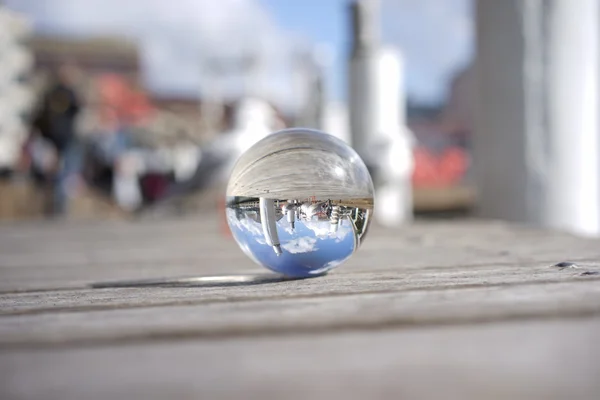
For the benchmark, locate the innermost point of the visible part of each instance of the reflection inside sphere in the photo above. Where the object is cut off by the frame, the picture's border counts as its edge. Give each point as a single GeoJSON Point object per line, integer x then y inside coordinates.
{"type": "Point", "coordinates": [299, 202]}
{"type": "Point", "coordinates": [299, 237]}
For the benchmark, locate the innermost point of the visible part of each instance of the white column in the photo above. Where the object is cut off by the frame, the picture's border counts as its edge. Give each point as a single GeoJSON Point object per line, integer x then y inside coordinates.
{"type": "Point", "coordinates": [362, 75]}
{"type": "Point", "coordinates": [392, 143]}
{"type": "Point", "coordinates": [269, 223]}
{"type": "Point", "coordinates": [377, 118]}
{"type": "Point", "coordinates": [536, 143]}
{"type": "Point", "coordinates": [336, 121]}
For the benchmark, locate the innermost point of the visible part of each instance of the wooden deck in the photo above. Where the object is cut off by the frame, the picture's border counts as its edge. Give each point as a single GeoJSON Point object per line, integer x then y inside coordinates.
{"type": "Point", "coordinates": [452, 310]}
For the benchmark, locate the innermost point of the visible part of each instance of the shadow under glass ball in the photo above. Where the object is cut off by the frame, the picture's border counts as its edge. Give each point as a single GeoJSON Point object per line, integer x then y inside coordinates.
{"type": "Point", "coordinates": [299, 202]}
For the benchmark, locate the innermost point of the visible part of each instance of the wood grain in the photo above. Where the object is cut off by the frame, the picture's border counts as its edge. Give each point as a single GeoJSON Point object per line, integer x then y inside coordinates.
{"type": "Point", "coordinates": [531, 360]}
{"type": "Point", "coordinates": [463, 309]}
{"type": "Point", "coordinates": [293, 315]}
{"type": "Point", "coordinates": [225, 288]}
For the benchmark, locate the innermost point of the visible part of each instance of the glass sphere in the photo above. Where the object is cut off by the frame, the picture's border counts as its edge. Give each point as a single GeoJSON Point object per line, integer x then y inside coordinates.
{"type": "Point", "coordinates": [299, 202]}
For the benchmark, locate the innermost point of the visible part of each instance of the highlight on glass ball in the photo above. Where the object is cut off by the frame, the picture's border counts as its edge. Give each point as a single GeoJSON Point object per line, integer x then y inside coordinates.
{"type": "Point", "coordinates": [299, 202]}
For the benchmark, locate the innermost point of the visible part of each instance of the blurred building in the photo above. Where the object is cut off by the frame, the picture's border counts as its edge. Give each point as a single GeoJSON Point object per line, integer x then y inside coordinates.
{"type": "Point", "coordinates": [93, 55]}
{"type": "Point", "coordinates": [109, 81]}
{"type": "Point", "coordinates": [111, 75]}
{"type": "Point", "coordinates": [109, 70]}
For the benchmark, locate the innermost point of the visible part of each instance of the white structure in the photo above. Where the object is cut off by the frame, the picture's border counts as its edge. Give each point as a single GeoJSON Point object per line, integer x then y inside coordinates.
{"type": "Point", "coordinates": [268, 221]}
{"type": "Point", "coordinates": [16, 96]}
{"type": "Point", "coordinates": [392, 143]}
{"type": "Point", "coordinates": [289, 209]}
{"type": "Point", "coordinates": [254, 119]}
{"type": "Point", "coordinates": [334, 219]}
{"type": "Point", "coordinates": [218, 72]}
{"type": "Point", "coordinates": [335, 121]}
{"type": "Point", "coordinates": [537, 140]}
{"type": "Point", "coordinates": [362, 74]}
{"type": "Point", "coordinates": [377, 121]}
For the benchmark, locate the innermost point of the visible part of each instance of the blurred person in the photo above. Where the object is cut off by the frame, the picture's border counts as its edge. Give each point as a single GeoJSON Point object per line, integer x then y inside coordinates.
{"type": "Point", "coordinates": [55, 123]}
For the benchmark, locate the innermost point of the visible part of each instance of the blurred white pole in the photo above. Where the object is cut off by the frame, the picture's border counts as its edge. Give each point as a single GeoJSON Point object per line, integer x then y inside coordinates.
{"type": "Point", "coordinates": [268, 221]}
{"type": "Point", "coordinates": [377, 117]}
{"type": "Point", "coordinates": [335, 121]}
{"type": "Point", "coordinates": [537, 140]}
{"type": "Point", "coordinates": [392, 143]}
{"type": "Point", "coordinates": [362, 85]}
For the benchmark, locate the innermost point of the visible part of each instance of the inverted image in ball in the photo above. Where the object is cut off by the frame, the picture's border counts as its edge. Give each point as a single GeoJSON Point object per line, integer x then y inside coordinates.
{"type": "Point", "coordinates": [299, 202]}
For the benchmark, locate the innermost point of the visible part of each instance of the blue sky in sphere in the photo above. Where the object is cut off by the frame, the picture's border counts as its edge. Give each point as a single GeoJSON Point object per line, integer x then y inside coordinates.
{"type": "Point", "coordinates": [306, 249]}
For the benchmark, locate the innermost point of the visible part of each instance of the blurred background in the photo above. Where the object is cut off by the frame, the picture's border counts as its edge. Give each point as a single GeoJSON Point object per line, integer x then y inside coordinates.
{"type": "Point", "coordinates": [109, 107]}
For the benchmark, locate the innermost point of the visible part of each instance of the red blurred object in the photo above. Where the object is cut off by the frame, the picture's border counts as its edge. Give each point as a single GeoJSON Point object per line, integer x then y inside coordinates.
{"type": "Point", "coordinates": [425, 168]}
{"type": "Point", "coordinates": [131, 104]}
{"type": "Point", "coordinates": [452, 165]}
{"type": "Point", "coordinates": [442, 170]}
{"type": "Point", "coordinates": [154, 186]}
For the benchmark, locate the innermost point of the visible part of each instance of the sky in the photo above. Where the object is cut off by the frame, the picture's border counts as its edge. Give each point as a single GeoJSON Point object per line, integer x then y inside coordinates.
{"type": "Point", "coordinates": [309, 248]}
{"type": "Point", "coordinates": [178, 36]}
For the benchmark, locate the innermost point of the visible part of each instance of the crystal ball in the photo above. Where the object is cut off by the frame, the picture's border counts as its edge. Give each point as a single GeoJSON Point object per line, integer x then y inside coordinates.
{"type": "Point", "coordinates": [299, 202]}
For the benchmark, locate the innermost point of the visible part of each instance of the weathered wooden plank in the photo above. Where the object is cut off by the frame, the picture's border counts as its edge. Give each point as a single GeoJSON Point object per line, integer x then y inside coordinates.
{"type": "Point", "coordinates": [307, 314]}
{"type": "Point", "coordinates": [107, 234]}
{"type": "Point", "coordinates": [76, 248]}
{"type": "Point", "coordinates": [207, 223]}
{"type": "Point", "coordinates": [72, 256]}
{"type": "Point", "coordinates": [429, 274]}
{"type": "Point", "coordinates": [234, 262]}
{"type": "Point", "coordinates": [227, 288]}
{"type": "Point", "coordinates": [542, 360]}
